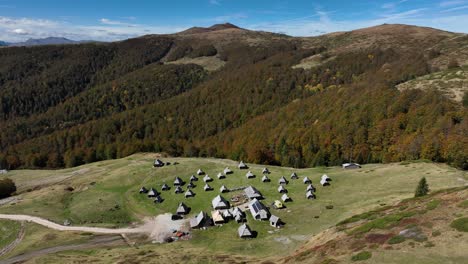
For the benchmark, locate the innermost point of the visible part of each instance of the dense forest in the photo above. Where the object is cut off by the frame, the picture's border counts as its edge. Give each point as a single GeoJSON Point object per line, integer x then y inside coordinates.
{"type": "Point", "coordinates": [69, 105]}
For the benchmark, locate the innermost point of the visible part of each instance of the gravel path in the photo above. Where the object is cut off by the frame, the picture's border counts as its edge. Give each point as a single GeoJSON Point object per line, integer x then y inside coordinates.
{"type": "Point", "coordinates": [157, 228]}
{"type": "Point", "coordinates": [52, 225]}
{"type": "Point", "coordinates": [15, 242]}
{"type": "Point", "coordinates": [8, 200]}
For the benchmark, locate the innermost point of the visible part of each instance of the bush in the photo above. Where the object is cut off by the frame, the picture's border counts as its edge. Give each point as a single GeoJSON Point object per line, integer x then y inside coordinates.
{"type": "Point", "coordinates": [429, 244]}
{"type": "Point", "coordinates": [368, 215]}
{"type": "Point", "coordinates": [463, 204]}
{"type": "Point", "coordinates": [396, 240]}
{"type": "Point", "coordinates": [436, 233]}
{"type": "Point", "coordinates": [383, 222]}
{"type": "Point", "coordinates": [206, 50]}
{"type": "Point", "coordinates": [7, 188]}
{"type": "Point", "coordinates": [460, 224]}
{"type": "Point", "coordinates": [180, 51]}
{"type": "Point", "coordinates": [432, 204]}
{"type": "Point", "coordinates": [465, 99]}
{"type": "Point", "coordinates": [361, 256]}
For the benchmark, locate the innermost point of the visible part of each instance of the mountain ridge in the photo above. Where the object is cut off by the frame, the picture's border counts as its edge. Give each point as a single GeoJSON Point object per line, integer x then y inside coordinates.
{"type": "Point", "coordinates": [44, 41]}
{"type": "Point", "coordinates": [97, 102]}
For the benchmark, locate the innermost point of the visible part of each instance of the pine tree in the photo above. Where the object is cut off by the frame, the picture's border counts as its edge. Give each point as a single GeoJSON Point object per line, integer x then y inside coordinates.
{"type": "Point", "coordinates": [422, 189]}
{"type": "Point", "coordinates": [7, 188]}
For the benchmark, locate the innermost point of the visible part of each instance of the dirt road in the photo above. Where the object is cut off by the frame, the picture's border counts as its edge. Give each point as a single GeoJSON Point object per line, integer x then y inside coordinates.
{"type": "Point", "coordinates": [156, 228]}
{"type": "Point", "coordinates": [52, 225]}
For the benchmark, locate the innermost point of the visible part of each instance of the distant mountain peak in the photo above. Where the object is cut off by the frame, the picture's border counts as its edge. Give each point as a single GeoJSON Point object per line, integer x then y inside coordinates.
{"type": "Point", "coordinates": [216, 27]}
{"type": "Point", "coordinates": [223, 26]}
{"type": "Point", "coordinates": [46, 41]}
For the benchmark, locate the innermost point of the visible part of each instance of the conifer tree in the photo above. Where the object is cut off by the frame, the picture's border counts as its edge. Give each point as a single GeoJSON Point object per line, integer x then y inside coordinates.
{"type": "Point", "coordinates": [422, 189]}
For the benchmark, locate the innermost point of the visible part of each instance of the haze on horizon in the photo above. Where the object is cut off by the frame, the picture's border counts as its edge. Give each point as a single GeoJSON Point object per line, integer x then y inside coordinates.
{"type": "Point", "coordinates": [107, 21]}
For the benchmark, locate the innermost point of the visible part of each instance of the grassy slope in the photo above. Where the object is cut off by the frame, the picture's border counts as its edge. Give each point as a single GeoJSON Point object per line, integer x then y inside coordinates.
{"type": "Point", "coordinates": [452, 83]}
{"type": "Point", "coordinates": [433, 215]}
{"type": "Point", "coordinates": [117, 183]}
{"type": "Point", "coordinates": [8, 232]}
{"type": "Point", "coordinates": [38, 237]}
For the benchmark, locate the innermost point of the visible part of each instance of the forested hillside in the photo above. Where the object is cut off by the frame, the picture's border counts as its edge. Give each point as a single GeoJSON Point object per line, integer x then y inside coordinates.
{"type": "Point", "coordinates": [68, 105]}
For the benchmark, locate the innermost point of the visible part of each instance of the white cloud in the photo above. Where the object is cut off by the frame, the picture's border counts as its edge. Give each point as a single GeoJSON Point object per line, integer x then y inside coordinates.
{"type": "Point", "coordinates": [318, 22]}
{"type": "Point", "coordinates": [110, 22]}
{"type": "Point", "coordinates": [227, 18]}
{"type": "Point", "coordinates": [455, 9]}
{"type": "Point", "coordinates": [393, 5]}
{"type": "Point", "coordinates": [20, 29]}
{"type": "Point", "coordinates": [215, 2]}
{"type": "Point", "coordinates": [322, 23]}
{"type": "Point", "coordinates": [452, 3]}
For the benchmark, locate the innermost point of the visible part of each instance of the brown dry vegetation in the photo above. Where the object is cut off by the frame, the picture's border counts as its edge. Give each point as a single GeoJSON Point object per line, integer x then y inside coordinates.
{"type": "Point", "coordinates": [431, 226]}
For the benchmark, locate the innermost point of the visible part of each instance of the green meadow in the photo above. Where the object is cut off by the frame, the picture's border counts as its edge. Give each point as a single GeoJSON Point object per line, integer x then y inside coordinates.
{"type": "Point", "coordinates": [107, 194]}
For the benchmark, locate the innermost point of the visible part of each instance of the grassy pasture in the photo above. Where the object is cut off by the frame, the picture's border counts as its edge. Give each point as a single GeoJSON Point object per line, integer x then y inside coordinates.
{"type": "Point", "coordinates": [106, 194]}
{"type": "Point", "coordinates": [8, 232]}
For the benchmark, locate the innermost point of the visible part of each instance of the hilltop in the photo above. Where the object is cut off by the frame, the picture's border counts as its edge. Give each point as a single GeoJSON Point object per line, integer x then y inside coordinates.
{"type": "Point", "coordinates": [217, 27]}
{"type": "Point", "coordinates": [229, 92]}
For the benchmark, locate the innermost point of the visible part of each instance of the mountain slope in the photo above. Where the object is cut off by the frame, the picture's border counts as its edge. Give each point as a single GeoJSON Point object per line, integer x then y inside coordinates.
{"type": "Point", "coordinates": [257, 104]}
{"type": "Point", "coordinates": [414, 230]}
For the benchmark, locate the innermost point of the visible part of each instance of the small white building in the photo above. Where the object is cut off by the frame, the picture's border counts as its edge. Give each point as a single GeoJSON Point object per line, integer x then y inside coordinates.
{"type": "Point", "coordinates": [281, 189]}
{"type": "Point", "coordinates": [249, 175]}
{"type": "Point", "coordinates": [220, 203]}
{"type": "Point", "coordinates": [351, 166]}
{"type": "Point", "coordinates": [207, 178]}
{"type": "Point", "coordinates": [227, 171]}
{"type": "Point", "coordinates": [242, 165]}
{"type": "Point", "coordinates": [244, 231]}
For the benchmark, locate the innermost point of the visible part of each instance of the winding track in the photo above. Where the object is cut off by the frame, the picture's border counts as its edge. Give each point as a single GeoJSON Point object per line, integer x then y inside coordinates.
{"type": "Point", "coordinates": [52, 225]}
{"type": "Point", "coordinates": [15, 242]}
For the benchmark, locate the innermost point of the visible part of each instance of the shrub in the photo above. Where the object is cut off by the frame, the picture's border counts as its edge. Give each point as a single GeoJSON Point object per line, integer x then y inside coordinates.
{"type": "Point", "coordinates": [329, 261]}
{"type": "Point", "coordinates": [463, 204]}
{"type": "Point", "coordinates": [369, 215]}
{"type": "Point", "coordinates": [361, 256]}
{"type": "Point", "coordinates": [206, 50]}
{"type": "Point", "coordinates": [432, 204]}
{"type": "Point", "coordinates": [465, 99]}
{"type": "Point", "coordinates": [422, 189]}
{"type": "Point", "coordinates": [404, 207]}
{"type": "Point", "coordinates": [396, 240]}
{"type": "Point", "coordinates": [460, 224]}
{"type": "Point", "coordinates": [180, 51]}
{"type": "Point", "coordinates": [7, 188]}
{"type": "Point", "coordinates": [429, 244]}
{"type": "Point", "coordinates": [436, 233]}
{"type": "Point", "coordinates": [383, 222]}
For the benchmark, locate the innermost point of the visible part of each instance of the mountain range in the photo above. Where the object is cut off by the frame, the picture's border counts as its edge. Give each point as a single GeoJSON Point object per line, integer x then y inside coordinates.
{"type": "Point", "coordinates": [369, 95]}
{"type": "Point", "coordinates": [43, 41]}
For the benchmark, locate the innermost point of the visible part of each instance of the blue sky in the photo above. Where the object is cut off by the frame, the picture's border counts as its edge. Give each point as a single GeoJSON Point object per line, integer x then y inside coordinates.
{"type": "Point", "coordinates": [120, 19]}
